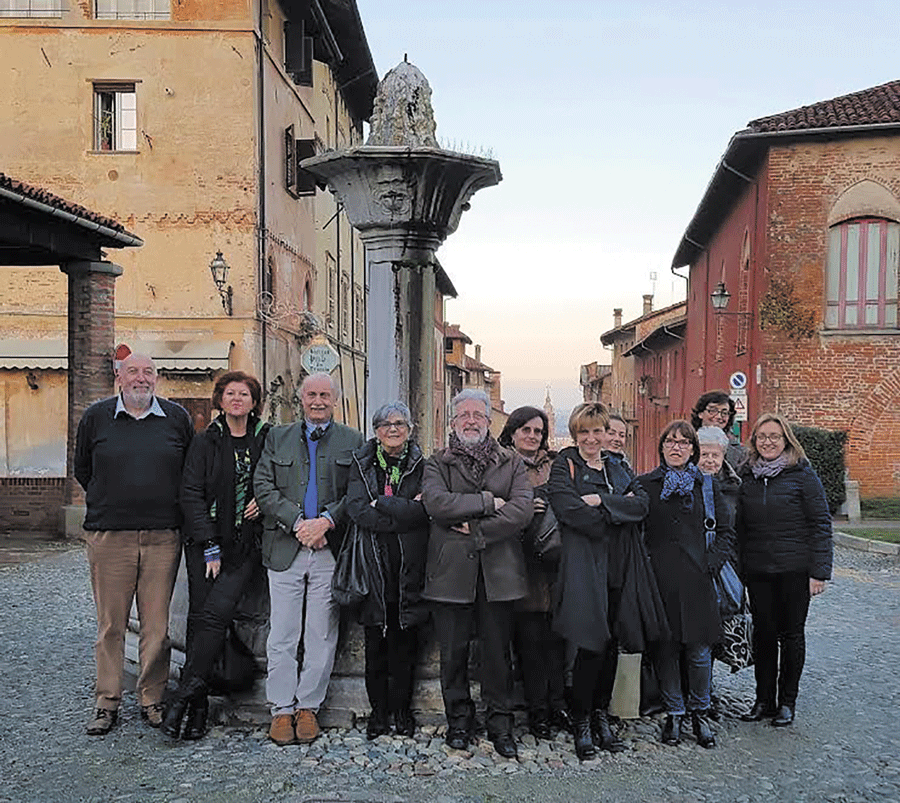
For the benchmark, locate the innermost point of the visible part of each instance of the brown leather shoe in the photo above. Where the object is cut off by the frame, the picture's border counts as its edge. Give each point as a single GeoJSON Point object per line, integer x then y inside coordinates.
{"type": "Point", "coordinates": [153, 714]}
{"type": "Point", "coordinates": [281, 731]}
{"type": "Point", "coordinates": [103, 721]}
{"type": "Point", "coordinates": [306, 726]}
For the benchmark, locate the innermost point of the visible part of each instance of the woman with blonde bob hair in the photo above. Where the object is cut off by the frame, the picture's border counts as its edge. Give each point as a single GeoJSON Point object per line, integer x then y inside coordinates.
{"type": "Point", "coordinates": [784, 537]}
{"type": "Point", "coordinates": [606, 595]}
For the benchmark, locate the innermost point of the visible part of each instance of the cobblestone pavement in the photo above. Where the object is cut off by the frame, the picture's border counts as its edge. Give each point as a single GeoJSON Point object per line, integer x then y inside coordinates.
{"type": "Point", "coordinates": [843, 748]}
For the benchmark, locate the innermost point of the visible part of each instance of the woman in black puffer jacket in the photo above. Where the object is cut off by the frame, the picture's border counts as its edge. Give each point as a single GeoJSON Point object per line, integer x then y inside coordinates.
{"type": "Point", "coordinates": [384, 501]}
{"type": "Point", "coordinates": [784, 537]}
{"type": "Point", "coordinates": [222, 528]}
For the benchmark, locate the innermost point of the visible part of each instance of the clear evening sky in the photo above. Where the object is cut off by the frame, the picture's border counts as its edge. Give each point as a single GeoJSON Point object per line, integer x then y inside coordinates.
{"type": "Point", "coordinates": [608, 120]}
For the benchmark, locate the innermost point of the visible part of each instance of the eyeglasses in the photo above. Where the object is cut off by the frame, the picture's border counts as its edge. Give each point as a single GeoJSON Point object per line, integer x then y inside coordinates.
{"type": "Point", "coordinates": [718, 412]}
{"type": "Point", "coordinates": [673, 443]}
{"type": "Point", "coordinates": [398, 426]}
{"type": "Point", "coordinates": [470, 417]}
{"type": "Point", "coordinates": [769, 438]}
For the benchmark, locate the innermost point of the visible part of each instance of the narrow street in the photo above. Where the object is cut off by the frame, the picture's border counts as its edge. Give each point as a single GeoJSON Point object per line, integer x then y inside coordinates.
{"type": "Point", "coordinates": [843, 748]}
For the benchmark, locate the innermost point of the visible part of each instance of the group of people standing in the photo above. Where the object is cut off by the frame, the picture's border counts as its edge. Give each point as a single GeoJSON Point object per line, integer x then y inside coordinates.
{"type": "Point", "coordinates": [452, 537]}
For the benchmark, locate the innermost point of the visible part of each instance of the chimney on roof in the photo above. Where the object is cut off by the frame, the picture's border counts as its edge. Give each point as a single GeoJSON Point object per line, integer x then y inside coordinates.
{"type": "Point", "coordinates": [617, 317]}
{"type": "Point", "coordinates": [477, 352]}
{"type": "Point", "coordinates": [648, 303]}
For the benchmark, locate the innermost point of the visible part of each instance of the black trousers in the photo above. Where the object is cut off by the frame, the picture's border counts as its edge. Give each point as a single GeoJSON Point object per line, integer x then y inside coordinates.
{"type": "Point", "coordinates": [390, 663]}
{"type": "Point", "coordinates": [494, 626]}
{"type": "Point", "coordinates": [542, 660]}
{"type": "Point", "coordinates": [779, 604]}
{"type": "Point", "coordinates": [594, 673]}
{"type": "Point", "coordinates": [211, 607]}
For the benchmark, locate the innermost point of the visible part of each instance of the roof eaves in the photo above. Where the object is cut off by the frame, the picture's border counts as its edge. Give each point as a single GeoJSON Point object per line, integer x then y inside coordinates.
{"type": "Point", "coordinates": [742, 156]}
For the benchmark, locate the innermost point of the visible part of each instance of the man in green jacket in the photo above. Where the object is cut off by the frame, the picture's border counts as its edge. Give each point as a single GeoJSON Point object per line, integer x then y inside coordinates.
{"type": "Point", "coordinates": [300, 484]}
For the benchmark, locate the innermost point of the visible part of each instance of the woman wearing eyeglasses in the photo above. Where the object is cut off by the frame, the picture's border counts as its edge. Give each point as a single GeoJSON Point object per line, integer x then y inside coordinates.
{"type": "Point", "coordinates": [784, 536]}
{"type": "Point", "coordinates": [676, 539]}
{"type": "Point", "coordinates": [716, 409]}
{"type": "Point", "coordinates": [384, 500]}
{"type": "Point", "coordinates": [540, 652]}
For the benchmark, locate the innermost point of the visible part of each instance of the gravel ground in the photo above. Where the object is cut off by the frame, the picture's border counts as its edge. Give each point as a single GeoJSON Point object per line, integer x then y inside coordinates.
{"type": "Point", "coordinates": [843, 748]}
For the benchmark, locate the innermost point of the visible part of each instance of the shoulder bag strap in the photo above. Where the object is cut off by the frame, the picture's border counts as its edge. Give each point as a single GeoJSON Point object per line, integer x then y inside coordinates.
{"type": "Point", "coordinates": [709, 508]}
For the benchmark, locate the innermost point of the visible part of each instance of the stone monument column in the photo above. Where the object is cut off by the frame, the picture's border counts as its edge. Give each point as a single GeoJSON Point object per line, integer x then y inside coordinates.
{"type": "Point", "coordinates": [404, 194]}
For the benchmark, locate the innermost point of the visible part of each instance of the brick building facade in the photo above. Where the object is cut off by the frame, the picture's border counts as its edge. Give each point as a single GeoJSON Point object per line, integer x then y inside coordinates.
{"type": "Point", "coordinates": [800, 224]}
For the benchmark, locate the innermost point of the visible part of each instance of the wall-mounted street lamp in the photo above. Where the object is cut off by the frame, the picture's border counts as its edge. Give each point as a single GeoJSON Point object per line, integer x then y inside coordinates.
{"type": "Point", "coordinates": [720, 297]}
{"type": "Point", "coordinates": [219, 270]}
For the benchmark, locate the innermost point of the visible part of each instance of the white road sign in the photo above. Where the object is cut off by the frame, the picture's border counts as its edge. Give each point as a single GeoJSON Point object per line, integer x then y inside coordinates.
{"type": "Point", "coordinates": [319, 358]}
{"type": "Point", "coordinates": [738, 380]}
{"type": "Point", "coordinates": [739, 397]}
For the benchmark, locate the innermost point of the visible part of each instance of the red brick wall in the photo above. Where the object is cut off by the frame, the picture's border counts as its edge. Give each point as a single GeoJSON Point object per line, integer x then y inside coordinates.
{"type": "Point", "coordinates": [720, 344]}
{"type": "Point", "coordinates": [832, 380]}
{"type": "Point", "coordinates": [31, 504]}
{"type": "Point", "coordinates": [836, 381]}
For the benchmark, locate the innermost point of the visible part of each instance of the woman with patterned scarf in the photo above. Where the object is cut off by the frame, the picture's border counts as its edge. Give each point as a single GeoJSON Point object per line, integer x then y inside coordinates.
{"type": "Point", "coordinates": [383, 500]}
{"type": "Point", "coordinates": [784, 535]}
{"type": "Point", "coordinates": [676, 539]}
{"type": "Point", "coordinates": [222, 529]}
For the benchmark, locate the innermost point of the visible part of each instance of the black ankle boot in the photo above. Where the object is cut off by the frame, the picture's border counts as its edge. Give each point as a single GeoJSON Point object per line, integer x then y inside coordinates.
{"type": "Point", "coordinates": [671, 733]}
{"type": "Point", "coordinates": [377, 724]}
{"type": "Point", "coordinates": [702, 730]}
{"type": "Point", "coordinates": [539, 725]}
{"type": "Point", "coordinates": [584, 742]}
{"type": "Point", "coordinates": [188, 690]}
{"type": "Point", "coordinates": [603, 735]}
{"type": "Point", "coordinates": [195, 719]}
{"type": "Point", "coordinates": [404, 723]}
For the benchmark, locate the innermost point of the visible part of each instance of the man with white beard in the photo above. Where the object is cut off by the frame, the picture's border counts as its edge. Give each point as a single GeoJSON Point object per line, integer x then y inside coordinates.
{"type": "Point", "coordinates": [479, 498]}
{"type": "Point", "coordinates": [129, 452]}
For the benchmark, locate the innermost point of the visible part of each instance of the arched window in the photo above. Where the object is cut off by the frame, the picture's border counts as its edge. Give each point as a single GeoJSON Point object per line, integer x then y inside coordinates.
{"type": "Point", "coordinates": [861, 274]}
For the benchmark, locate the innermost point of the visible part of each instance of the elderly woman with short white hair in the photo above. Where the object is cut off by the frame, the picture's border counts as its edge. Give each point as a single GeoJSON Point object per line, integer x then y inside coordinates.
{"type": "Point", "coordinates": [714, 445]}
{"type": "Point", "coordinates": [384, 492]}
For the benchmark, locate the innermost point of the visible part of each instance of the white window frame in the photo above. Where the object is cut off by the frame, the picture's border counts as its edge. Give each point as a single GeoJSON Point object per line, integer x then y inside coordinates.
{"type": "Point", "coordinates": [115, 117]}
{"type": "Point", "coordinates": [30, 9]}
{"type": "Point", "coordinates": [861, 274]}
{"type": "Point", "coordinates": [133, 9]}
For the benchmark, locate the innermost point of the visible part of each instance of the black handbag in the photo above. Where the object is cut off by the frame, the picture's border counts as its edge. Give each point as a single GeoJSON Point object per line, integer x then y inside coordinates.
{"type": "Point", "coordinates": [235, 668]}
{"type": "Point", "coordinates": [544, 536]}
{"type": "Point", "coordinates": [350, 581]}
{"type": "Point", "coordinates": [736, 647]}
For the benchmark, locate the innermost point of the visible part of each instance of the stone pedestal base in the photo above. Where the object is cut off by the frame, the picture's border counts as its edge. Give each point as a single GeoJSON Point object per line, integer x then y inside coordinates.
{"type": "Point", "coordinates": [346, 701]}
{"type": "Point", "coordinates": [71, 520]}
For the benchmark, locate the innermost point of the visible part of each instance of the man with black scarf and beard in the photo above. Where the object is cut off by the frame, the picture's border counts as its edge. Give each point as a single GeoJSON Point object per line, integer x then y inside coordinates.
{"type": "Point", "coordinates": [479, 498]}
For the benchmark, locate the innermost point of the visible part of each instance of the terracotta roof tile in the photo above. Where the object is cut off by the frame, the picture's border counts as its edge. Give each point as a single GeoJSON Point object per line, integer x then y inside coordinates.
{"type": "Point", "coordinates": [38, 194]}
{"type": "Point", "coordinates": [878, 104]}
{"type": "Point", "coordinates": [452, 331]}
{"type": "Point", "coordinates": [476, 365]}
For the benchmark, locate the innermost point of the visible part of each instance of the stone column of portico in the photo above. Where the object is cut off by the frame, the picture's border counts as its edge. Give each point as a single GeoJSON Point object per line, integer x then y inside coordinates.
{"type": "Point", "coordinates": [92, 325]}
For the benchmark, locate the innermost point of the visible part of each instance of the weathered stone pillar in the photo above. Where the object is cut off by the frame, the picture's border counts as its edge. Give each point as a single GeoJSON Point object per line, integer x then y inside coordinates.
{"type": "Point", "coordinates": [91, 335]}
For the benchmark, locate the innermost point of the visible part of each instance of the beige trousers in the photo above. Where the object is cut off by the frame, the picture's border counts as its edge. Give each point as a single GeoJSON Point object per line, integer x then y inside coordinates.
{"type": "Point", "coordinates": [129, 564]}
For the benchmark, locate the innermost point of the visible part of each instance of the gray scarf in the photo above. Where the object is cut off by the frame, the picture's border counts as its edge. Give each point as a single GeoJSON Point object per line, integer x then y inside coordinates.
{"type": "Point", "coordinates": [769, 468]}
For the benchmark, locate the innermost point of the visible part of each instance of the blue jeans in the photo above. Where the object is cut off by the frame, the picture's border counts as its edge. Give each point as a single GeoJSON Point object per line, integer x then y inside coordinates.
{"type": "Point", "coordinates": [698, 662]}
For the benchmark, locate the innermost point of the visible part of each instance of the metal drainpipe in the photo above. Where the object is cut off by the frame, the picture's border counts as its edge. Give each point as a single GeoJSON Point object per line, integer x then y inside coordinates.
{"type": "Point", "coordinates": [261, 210]}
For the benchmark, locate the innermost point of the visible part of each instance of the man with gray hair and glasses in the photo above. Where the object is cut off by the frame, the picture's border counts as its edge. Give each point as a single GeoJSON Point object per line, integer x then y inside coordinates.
{"type": "Point", "coordinates": [479, 498]}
